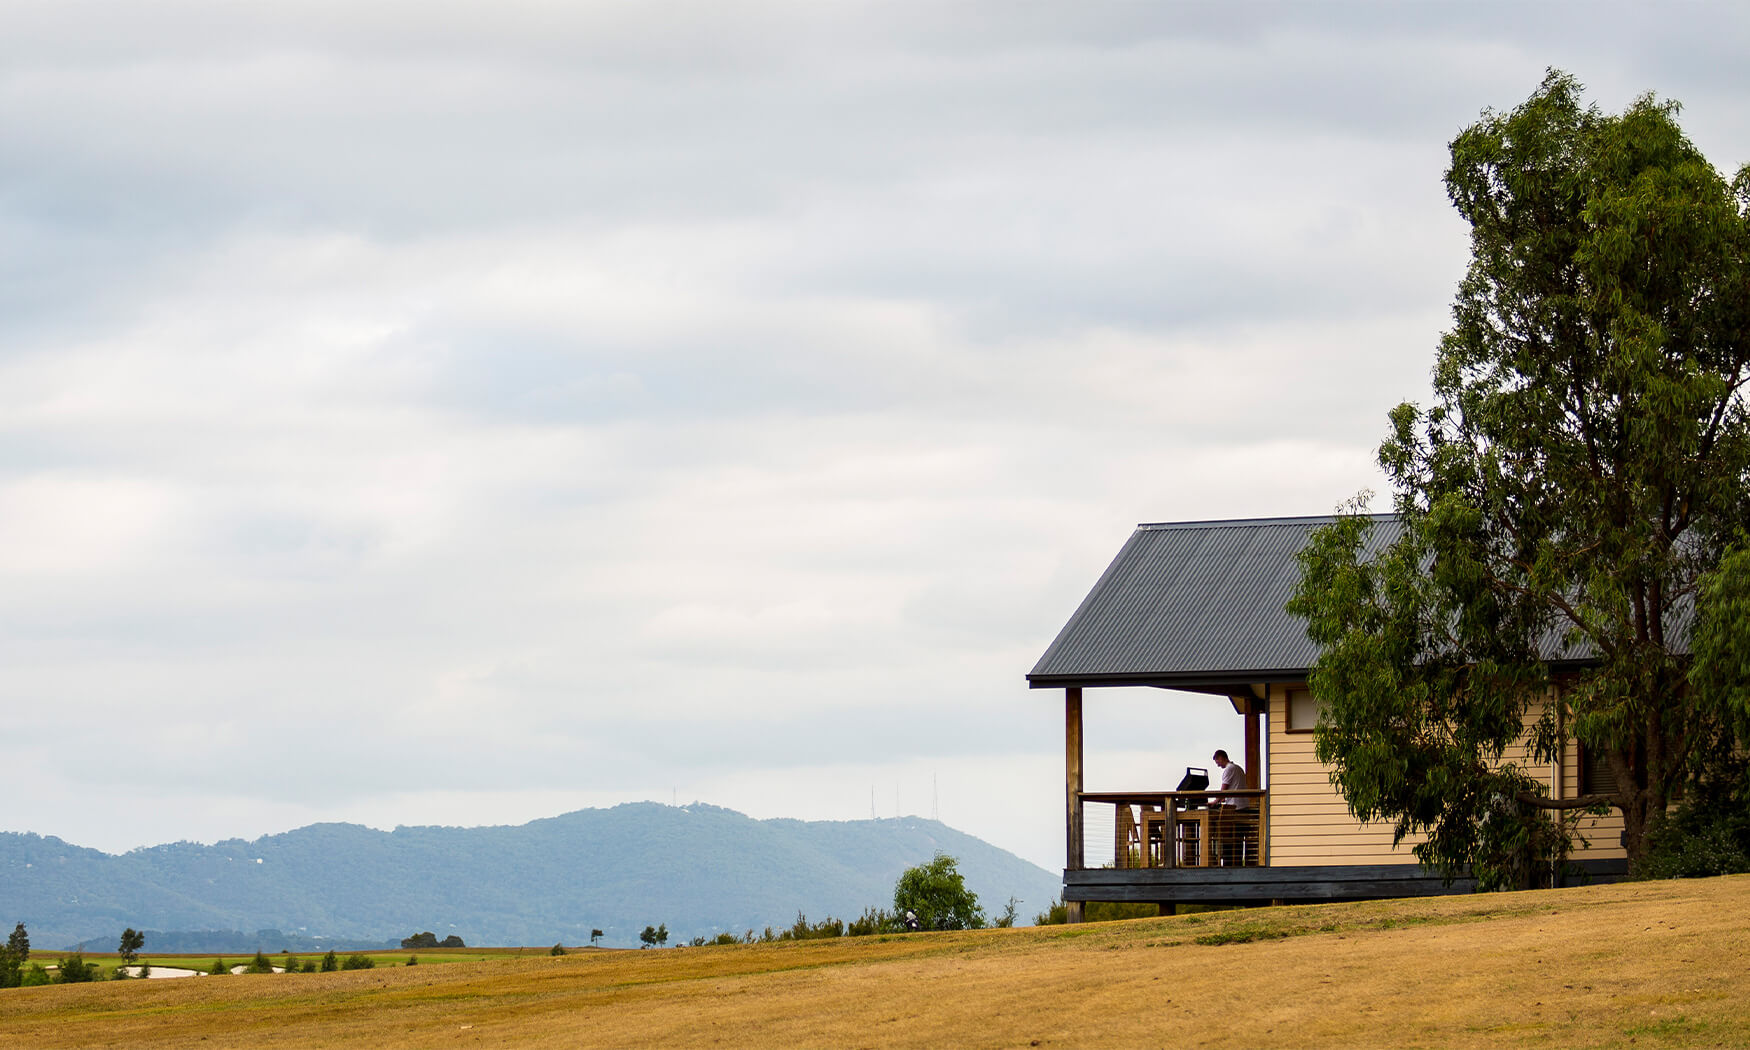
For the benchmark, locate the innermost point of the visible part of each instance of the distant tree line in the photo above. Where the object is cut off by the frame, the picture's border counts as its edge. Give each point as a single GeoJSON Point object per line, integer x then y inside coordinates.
{"type": "Point", "coordinates": [429, 939]}
{"type": "Point", "coordinates": [930, 896]}
{"type": "Point", "coordinates": [16, 969]}
{"type": "Point", "coordinates": [236, 942]}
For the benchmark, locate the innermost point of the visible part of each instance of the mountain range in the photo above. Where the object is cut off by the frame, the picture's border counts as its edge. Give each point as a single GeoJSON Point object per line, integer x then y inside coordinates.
{"type": "Point", "coordinates": [698, 869]}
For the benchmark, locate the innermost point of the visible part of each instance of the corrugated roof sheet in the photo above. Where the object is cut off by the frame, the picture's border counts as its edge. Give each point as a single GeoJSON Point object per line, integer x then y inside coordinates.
{"type": "Point", "coordinates": [1190, 603]}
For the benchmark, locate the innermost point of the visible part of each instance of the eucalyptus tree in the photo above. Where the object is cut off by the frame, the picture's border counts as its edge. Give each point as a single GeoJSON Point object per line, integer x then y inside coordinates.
{"type": "Point", "coordinates": [1572, 504]}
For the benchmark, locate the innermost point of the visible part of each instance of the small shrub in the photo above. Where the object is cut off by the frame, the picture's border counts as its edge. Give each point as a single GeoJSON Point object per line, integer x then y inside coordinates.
{"type": "Point", "coordinates": [73, 969]}
{"type": "Point", "coordinates": [218, 969]}
{"type": "Point", "coordinates": [801, 930]}
{"type": "Point", "coordinates": [34, 975]}
{"type": "Point", "coordinates": [356, 961]}
{"type": "Point", "coordinates": [413, 960]}
{"type": "Point", "coordinates": [1708, 834]}
{"type": "Point", "coordinates": [330, 962]}
{"type": "Point", "coordinates": [557, 949]}
{"type": "Point", "coordinates": [259, 964]}
{"type": "Point", "coordinates": [873, 921]}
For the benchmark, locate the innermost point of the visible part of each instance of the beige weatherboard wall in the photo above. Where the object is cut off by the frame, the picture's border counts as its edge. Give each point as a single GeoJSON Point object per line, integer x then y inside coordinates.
{"type": "Point", "coordinates": [1310, 824]}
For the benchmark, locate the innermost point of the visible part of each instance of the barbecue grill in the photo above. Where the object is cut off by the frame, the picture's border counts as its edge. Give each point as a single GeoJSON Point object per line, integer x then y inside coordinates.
{"type": "Point", "coordinates": [1195, 779]}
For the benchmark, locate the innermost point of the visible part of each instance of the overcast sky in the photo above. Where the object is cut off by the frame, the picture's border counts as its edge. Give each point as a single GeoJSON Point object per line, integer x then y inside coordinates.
{"type": "Point", "coordinates": [461, 413]}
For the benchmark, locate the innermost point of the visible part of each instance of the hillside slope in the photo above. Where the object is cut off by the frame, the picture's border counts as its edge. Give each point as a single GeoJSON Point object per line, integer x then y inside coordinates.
{"type": "Point", "coordinates": [1639, 965]}
{"type": "Point", "coordinates": [699, 869]}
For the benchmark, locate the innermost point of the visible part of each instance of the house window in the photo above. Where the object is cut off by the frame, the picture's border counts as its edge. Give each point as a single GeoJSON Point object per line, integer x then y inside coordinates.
{"type": "Point", "coordinates": [1303, 710]}
{"type": "Point", "coordinates": [1595, 775]}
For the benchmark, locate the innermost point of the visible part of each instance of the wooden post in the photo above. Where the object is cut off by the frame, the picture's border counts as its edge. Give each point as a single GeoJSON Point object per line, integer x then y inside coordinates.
{"type": "Point", "coordinates": [1072, 762]}
{"type": "Point", "coordinates": [1254, 754]}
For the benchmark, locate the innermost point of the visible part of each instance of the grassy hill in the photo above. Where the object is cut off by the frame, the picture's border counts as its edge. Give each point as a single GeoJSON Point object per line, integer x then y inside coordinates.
{"type": "Point", "coordinates": [698, 869]}
{"type": "Point", "coordinates": [1627, 965]}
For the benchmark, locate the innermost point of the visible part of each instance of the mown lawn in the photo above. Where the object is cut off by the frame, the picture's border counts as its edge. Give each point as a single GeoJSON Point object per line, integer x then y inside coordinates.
{"type": "Point", "coordinates": [1634, 965]}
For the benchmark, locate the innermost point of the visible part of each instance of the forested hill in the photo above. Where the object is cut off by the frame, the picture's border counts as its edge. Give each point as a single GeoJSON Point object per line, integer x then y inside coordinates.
{"type": "Point", "coordinates": [699, 869]}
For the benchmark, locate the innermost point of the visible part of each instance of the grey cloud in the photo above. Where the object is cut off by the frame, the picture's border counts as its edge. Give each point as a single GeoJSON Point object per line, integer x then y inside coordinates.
{"type": "Point", "coordinates": [593, 393]}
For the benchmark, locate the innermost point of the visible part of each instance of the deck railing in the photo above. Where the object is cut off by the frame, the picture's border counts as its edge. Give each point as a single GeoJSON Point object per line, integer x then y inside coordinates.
{"type": "Point", "coordinates": [1173, 829]}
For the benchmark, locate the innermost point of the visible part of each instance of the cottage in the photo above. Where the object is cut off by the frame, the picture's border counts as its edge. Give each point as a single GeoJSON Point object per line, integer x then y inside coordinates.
{"type": "Point", "coordinates": [1199, 607]}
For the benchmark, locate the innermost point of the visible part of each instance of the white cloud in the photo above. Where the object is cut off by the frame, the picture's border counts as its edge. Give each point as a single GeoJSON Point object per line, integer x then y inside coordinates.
{"type": "Point", "coordinates": [596, 401]}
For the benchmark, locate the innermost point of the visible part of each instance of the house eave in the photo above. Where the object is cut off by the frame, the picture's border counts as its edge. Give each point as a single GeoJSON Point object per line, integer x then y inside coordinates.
{"type": "Point", "coordinates": [1219, 682]}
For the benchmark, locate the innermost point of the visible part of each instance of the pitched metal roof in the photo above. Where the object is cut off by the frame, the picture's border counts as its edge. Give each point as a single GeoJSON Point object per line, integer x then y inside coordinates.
{"type": "Point", "coordinates": [1194, 604]}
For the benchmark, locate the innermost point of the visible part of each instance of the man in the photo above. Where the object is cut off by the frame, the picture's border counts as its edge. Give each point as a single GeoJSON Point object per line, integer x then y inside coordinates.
{"type": "Point", "coordinates": [1226, 830]}
{"type": "Point", "coordinates": [1233, 778]}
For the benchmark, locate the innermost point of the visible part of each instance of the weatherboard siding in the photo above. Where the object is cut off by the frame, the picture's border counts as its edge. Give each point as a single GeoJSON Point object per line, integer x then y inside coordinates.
{"type": "Point", "coordinates": [1309, 821]}
{"type": "Point", "coordinates": [1310, 824]}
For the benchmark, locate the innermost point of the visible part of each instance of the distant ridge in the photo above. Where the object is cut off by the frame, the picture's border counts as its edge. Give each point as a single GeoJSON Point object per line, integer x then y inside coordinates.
{"type": "Point", "coordinates": [699, 869]}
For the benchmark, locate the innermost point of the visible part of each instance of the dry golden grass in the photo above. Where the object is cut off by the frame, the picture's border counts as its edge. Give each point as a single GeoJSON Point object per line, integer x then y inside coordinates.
{"type": "Point", "coordinates": [1643, 965]}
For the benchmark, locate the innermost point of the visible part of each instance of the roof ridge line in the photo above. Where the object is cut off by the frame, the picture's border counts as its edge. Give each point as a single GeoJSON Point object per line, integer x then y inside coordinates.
{"type": "Point", "coordinates": [1230, 523]}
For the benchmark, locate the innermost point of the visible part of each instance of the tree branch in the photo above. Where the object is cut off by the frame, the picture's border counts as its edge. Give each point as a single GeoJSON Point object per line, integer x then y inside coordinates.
{"type": "Point", "coordinates": [1583, 802]}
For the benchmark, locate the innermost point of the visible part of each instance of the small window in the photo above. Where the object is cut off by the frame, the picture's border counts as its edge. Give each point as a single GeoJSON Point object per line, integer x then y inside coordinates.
{"type": "Point", "coordinates": [1596, 777]}
{"type": "Point", "coordinates": [1303, 710]}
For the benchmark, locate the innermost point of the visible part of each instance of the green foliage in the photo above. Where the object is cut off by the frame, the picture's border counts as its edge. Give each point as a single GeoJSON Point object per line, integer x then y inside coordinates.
{"type": "Point", "coordinates": [647, 938]}
{"type": "Point", "coordinates": [872, 921]}
{"type": "Point", "coordinates": [259, 964]}
{"type": "Point", "coordinates": [1582, 472]}
{"type": "Point", "coordinates": [1007, 918]}
{"type": "Point", "coordinates": [452, 941]}
{"type": "Point", "coordinates": [801, 930]}
{"type": "Point", "coordinates": [13, 958]}
{"type": "Point", "coordinates": [292, 965]}
{"type": "Point", "coordinates": [413, 960]}
{"type": "Point", "coordinates": [936, 892]}
{"type": "Point", "coordinates": [1709, 832]}
{"type": "Point", "coordinates": [330, 962]}
{"type": "Point", "coordinates": [34, 975]}
{"type": "Point", "coordinates": [356, 961]}
{"type": "Point", "coordinates": [218, 969]}
{"type": "Point", "coordinates": [73, 969]}
{"type": "Point", "coordinates": [594, 936]}
{"type": "Point", "coordinates": [427, 939]}
{"type": "Point", "coordinates": [132, 941]}
{"type": "Point", "coordinates": [557, 949]}
{"type": "Point", "coordinates": [725, 938]}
